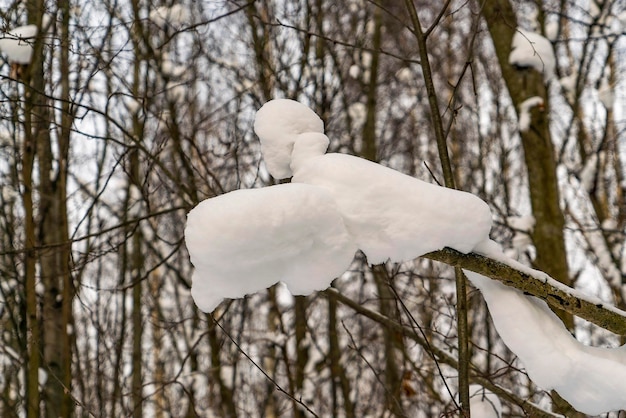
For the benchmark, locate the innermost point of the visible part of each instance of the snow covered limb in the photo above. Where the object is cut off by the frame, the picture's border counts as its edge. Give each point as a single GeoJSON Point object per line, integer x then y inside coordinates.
{"type": "Point", "coordinates": [555, 294]}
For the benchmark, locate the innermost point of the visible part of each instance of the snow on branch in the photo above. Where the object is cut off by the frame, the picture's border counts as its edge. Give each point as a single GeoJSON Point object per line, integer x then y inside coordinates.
{"type": "Point", "coordinates": [524, 112]}
{"type": "Point", "coordinates": [531, 50]}
{"type": "Point", "coordinates": [540, 285]}
{"type": "Point", "coordinates": [305, 233]}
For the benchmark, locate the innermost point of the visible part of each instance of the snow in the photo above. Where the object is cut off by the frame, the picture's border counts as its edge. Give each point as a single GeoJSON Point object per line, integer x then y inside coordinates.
{"type": "Point", "coordinates": [524, 112]}
{"type": "Point", "coordinates": [43, 376]}
{"type": "Point", "coordinates": [278, 124]}
{"type": "Point", "coordinates": [305, 233]}
{"type": "Point", "coordinates": [551, 30]}
{"type": "Point", "coordinates": [395, 216]}
{"type": "Point", "coordinates": [132, 104]}
{"type": "Point", "coordinates": [247, 240]}
{"type": "Point", "coordinates": [529, 49]}
{"type": "Point", "coordinates": [604, 260]}
{"type": "Point", "coordinates": [175, 91]}
{"type": "Point", "coordinates": [568, 83]}
{"type": "Point", "coordinates": [589, 172]}
{"type": "Point", "coordinates": [358, 113]}
{"type": "Point", "coordinates": [366, 59]}
{"type": "Point", "coordinates": [164, 16]}
{"type": "Point", "coordinates": [170, 68]}
{"type": "Point", "coordinates": [606, 94]}
{"type": "Point", "coordinates": [354, 71]}
{"type": "Point", "coordinates": [524, 223]}
{"type": "Point", "coordinates": [484, 403]}
{"type": "Point", "coordinates": [17, 44]}
{"type": "Point", "coordinates": [405, 75]}
{"type": "Point", "coordinates": [591, 379]}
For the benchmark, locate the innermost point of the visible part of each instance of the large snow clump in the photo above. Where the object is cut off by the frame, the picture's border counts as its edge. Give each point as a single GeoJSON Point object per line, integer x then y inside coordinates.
{"type": "Point", "coordinates": [306, 233]}
{"type": "Point", "coordinates": [247, 240]}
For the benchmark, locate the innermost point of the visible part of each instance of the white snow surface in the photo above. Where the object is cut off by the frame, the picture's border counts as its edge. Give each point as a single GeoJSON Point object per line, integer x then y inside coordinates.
{"type": "Point", "coordinates": [551, 30]}
{"type": "Point", "coordinates": [306, 233]}
{"type": "Point", "coordinates": [247, 240]}
{"type": "Point", "coordinates": [484, 403]}
{"type": "Point", "coordinates": [524, 223]}
{"type": "Point", "coordinates": [524, 112]}
{"type": "Point", "coordinates": [606, 94]}
{"type": "Point", "coordinates": [591, 379]}
{"type": "Point", "coordinates": [393, 216]}
{"type": "Point", "coordinates": [529, 49]}
{"type": "Point", "coordinates": [278, 124]}
{"type": "Point", "coordinates": [17, 44]}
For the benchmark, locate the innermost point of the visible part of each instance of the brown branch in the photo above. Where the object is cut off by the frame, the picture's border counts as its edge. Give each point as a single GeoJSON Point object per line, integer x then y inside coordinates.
{"type": "Point", "coordinates": [596, 312]}
{"type": "Point", "coordinates": [438, 354]}
{"type": "Point", "coordinates": [446, 166]}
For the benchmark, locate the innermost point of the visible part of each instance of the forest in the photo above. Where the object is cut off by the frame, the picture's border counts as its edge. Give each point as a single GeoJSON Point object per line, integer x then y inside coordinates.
{"type": "Point", "coordinates": [117, 118]}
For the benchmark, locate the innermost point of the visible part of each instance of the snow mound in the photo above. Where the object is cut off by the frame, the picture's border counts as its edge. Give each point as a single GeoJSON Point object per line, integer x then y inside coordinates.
{"type": "Point", "coordinates": [306, 233]}
{"type": "Point", "coordinates": [529, 49]}
{"type": "Point", "coordinates": [524, 112]}
{"type": "Point", "coordinates": [278, 124]}
{"type": "Point", "coordinates": [247, 240]}
{"type": "Point", "coordinates": [393, 216]}
{"type": "Point", "coordinates": [17, 44]}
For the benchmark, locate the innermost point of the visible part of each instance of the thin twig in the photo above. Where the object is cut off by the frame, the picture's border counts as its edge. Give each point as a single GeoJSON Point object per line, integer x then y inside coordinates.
{"type": "Point", "coordinates": [267, 376]}
{"type": "Point", "coordinates": [446, 166]}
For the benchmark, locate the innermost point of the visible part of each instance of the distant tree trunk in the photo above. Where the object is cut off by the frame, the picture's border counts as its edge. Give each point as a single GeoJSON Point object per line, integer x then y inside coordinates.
{"type": "Point", "coordinates": [226, 402]}
{"type": "Point", "coordinates": [270, 358]}
{"type": "Point", "coordinates": [370, 149]}
{"type": "Point", "coordinates": [52, 228]}
{"type": "Point", "coordinates": [337, 371]}
{"type": "Point", "coordinates": [393, 342]}
{"type": "Point", "coordinates": [538, 147]}
{"type": "Point", "coordinates": [136, 269]}
{"type": "Point", "coordinates": [32, 319]}
{"type": "Point", "coordinates": [539, 156]}
{"type": "Point", "coordinates": [302, 349]}
{"type": "Point", "coordinates": [157, 355]}
{"type": "Point", "coordinates": [31, 314]}
{"type": "Point", "coordinates": [135, 200]}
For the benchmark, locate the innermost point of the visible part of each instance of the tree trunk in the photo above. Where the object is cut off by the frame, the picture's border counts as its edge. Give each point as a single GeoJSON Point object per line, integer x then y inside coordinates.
{"type": "Point", "coordinates": [539, 153]}
{"type": "Point", "coordinates": [33, 343]}
{"type": "Point", "coordinates": [226, 403]}
{"type": "Point", "coordinates": [337, 371]}
{"type": "Point", "coordinates": [393, 342]}
{"type": "Point", "coordinates": [52, 226]}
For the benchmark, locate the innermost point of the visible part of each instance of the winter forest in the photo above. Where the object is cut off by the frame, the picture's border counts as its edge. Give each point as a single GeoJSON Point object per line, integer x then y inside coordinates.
{"type": "Point", "coordinates": [117, 118]}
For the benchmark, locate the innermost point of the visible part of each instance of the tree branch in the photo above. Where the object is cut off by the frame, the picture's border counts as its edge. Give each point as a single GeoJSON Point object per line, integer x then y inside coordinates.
{"type": "Point", "coordinates": [446, 166]}
{"type": "Point", "coordinates": [438, 354]}
{"type": "Point", "coordinates": [539, 285]}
